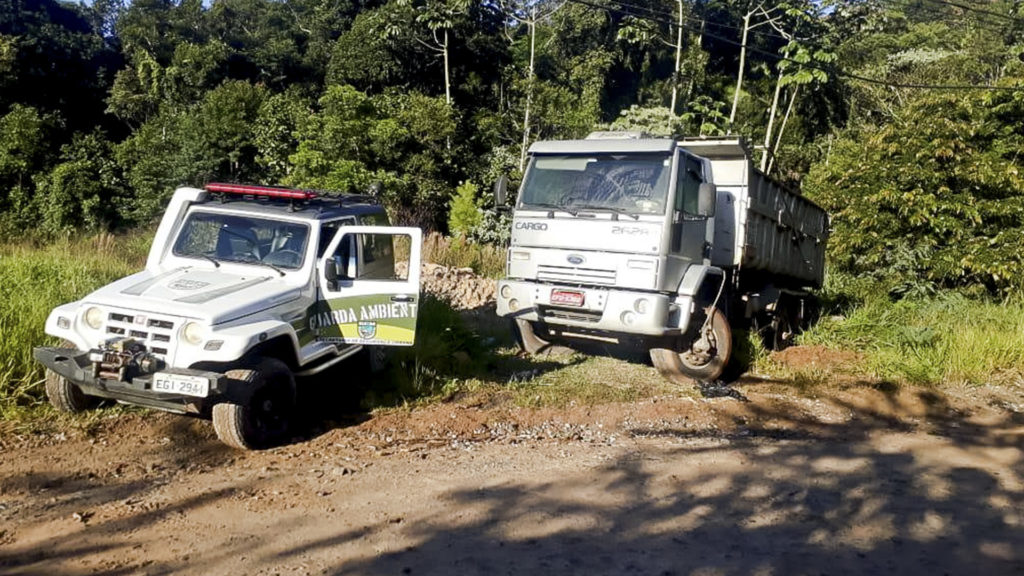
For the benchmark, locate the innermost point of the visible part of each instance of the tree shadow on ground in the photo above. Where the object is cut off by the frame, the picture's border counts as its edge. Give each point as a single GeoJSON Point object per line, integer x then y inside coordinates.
{"type": "Point", "coordinates": [801, 496]}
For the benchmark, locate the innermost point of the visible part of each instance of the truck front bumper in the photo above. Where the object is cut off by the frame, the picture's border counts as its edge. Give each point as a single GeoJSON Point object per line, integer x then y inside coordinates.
{"type": "Point", "coordinates": [76, 366]}
{"type": "Point", "coordinates": [600, 310]}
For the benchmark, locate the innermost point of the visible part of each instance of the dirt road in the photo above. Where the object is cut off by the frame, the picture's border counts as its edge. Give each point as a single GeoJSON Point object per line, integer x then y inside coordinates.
{"type": "Point", "coordinates": [861, 481]}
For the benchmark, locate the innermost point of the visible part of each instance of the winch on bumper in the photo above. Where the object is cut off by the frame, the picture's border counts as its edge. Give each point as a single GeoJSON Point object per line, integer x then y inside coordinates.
{"type": "Point", "coordinates": [595, 309]}
{"type": "Point", "coordinates": [123, 369]}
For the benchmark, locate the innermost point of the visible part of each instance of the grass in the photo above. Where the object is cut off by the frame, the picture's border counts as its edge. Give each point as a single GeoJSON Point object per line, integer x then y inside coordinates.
{"type": "Point", "coordinates": [488, 261]}
{"type": "Point", "coordinates": [945, 339]}
{"type": "Point", "coordinates": [34, 278]}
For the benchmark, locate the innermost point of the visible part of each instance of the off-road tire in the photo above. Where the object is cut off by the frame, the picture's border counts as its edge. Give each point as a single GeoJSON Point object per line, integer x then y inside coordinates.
{"type": "Point", "coordinates": [674, 364]}
{"type": "Point", "coordinates": [264, 420]}
{"type": "Point", "coordinates": [66, 396]}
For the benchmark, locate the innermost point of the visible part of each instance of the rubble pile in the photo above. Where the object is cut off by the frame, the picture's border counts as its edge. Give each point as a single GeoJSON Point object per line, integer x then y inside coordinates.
{"type": "Point", "coordinates": [460, 287]}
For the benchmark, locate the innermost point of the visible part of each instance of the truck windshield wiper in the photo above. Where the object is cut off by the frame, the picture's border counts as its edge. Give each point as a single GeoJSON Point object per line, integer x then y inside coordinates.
{"type": "Point", "coordinates": [612, 209]}
{"type": "Point", "coordinates": [550, 206]}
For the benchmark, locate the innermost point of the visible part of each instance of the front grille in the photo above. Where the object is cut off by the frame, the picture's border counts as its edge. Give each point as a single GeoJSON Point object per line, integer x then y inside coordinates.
{"type": "Point", "coordinates": [576, 275]}
{"type": "Point", "coordinates": [574, 315]}
{"type": "Point", "coordinates": [144, 328]}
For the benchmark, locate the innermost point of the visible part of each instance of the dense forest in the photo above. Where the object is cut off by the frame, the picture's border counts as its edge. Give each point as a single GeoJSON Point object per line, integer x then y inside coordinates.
{"type": "Point", "coordinates": [905, 118]}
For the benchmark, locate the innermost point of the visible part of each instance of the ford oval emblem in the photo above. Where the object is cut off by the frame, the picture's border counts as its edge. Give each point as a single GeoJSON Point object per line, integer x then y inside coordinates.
{"type": "Point", "coordinates": [575, 259]}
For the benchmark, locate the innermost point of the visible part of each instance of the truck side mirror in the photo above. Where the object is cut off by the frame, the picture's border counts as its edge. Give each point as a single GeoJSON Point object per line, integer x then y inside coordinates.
{"type": "Point", "coordinates": [706, 198]}
{"type": "Point", "coordinates": [501, 191]}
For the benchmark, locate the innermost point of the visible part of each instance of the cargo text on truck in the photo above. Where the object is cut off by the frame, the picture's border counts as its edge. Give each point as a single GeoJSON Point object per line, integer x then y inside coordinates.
{"type": "Point", "coordinates": [661, 244]}
{"type": "Point", "coordinates": [246, 288]}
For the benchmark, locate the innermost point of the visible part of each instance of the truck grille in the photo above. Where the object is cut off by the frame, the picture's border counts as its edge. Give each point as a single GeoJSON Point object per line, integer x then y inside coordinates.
{"type": "Point", "coordinates": [574, 315]}
{"type": "Point", "coordinates": [156, 333]}
{"type": "Point", "coordinates": [576, 275]}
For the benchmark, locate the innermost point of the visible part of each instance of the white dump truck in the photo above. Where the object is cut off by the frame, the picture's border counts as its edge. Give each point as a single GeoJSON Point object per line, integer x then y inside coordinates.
{"type": "Point", "coordinates": [659, 243]}
{"type": "Point", "coordinates": [245, 289]}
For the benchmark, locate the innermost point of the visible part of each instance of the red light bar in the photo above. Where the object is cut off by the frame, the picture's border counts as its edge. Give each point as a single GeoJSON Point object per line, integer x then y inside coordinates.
{"type": "Point", "coordinates": [267, 191]}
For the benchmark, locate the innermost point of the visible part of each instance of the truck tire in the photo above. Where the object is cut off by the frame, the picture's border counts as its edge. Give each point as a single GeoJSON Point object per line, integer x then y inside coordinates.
{"type": "Point", "coordinates": [263, 421]}
{"type": "Point", "coordinates": [681, 366]}
{"type": "Point", "coordinates": [526, 336]}
{"type": "Point", "coordinates": [65, 395]}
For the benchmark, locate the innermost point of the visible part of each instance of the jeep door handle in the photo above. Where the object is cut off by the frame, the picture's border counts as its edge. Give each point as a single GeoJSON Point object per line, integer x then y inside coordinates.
{"type": "Point", "coordinates": [401, 298]}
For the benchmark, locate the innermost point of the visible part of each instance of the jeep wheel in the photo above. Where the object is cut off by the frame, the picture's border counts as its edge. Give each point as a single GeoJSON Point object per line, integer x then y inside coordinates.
{"type": "Point", "coordinates": [67, 396]}
{"type": "Point", "coordinates": [264, 420]}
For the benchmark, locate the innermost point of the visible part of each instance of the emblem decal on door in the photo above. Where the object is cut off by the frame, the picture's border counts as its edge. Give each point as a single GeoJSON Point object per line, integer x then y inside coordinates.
{"type": "Point", "coordinates": [367, 330]}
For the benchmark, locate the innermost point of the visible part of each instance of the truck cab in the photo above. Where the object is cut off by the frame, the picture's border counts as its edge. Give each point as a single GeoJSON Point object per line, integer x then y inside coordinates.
{"type": "Point", "coordinates": [245, 289]}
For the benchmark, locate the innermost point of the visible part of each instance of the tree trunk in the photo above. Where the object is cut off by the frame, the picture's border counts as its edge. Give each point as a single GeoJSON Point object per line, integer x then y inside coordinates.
{"type": "Point", "coordinates": [447, 74]}
{"type": "Point", "coordinates": [675, 71]}
{"type": "Point", "coordinates": [739, 75]}
{"type": "Point", "coordinates": [529, 90]}
{"type": "Point", "coordinates": [782, 128]}
{"type": "Point", "coordinates": [771, 122]}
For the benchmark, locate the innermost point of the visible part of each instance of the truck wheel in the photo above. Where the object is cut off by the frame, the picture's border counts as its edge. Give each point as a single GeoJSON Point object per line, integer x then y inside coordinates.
{"type": "Point", "coordinates": [703, 359]}
{"type": "Point", "coordinates": [264, 420]}
{"type": "Point", "coordinates": [526, 336]}
{"type": "Point", "coordinates": [65, 395]}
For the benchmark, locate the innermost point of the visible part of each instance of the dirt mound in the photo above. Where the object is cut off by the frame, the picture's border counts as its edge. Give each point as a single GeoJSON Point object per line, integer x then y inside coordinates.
{"type": "Point", "coordinates": [460, 287]}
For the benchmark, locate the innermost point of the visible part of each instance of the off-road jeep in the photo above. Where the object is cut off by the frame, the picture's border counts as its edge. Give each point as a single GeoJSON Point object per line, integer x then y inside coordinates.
{"type": "Point", "coordinates": [245, 289]}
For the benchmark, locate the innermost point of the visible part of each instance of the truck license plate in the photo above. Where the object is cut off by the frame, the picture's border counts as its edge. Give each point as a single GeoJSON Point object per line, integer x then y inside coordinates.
{"type": "Point", "coordinates": [567, 297]}
{"type": "Point", "coordinates": [181, 384]}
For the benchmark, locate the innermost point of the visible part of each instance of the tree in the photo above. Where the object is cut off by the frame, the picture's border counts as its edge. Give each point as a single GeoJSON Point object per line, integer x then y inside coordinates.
{"type": "Point", "coordinates": [528, 13]}
{"type": "Point", "coordinates": [933, 201]}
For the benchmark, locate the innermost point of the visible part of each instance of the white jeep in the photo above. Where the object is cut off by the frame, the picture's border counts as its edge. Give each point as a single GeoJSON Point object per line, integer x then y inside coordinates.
{"type": "Point", "coordinates": [245, 288]}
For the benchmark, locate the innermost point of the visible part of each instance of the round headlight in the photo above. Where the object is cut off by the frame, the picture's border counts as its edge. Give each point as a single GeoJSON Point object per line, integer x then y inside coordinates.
{"type": "Point", "coordinates": [506, 291]}
{"type": "Point", "coordinates": [641, 305]}
{"type": "Point", "coordinates": [93, 318]}
{"type": "Point", "coordinates": [192, 332]}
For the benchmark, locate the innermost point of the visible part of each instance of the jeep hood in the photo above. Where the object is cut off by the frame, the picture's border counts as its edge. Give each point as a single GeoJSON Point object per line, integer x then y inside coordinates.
{"type": "Point", "coordinates": [212, 296]}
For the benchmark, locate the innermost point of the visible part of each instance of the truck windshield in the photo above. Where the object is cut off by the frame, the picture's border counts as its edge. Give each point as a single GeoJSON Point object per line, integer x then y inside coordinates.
{"type": "Point", "coordinates": [627, 183]}
{"type": "Point", "coordinates": [233, 238]}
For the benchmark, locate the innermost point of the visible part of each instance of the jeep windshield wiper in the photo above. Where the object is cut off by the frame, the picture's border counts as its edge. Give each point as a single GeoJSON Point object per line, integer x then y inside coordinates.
{"type": "Point", "coordinates": [267, 264]}
{"type": "Point", "coordinates": [216, 263]}
{"type": "Point", "coordinates": [613, 209]}
{"type": "Point", "coordinates": [550, 206]}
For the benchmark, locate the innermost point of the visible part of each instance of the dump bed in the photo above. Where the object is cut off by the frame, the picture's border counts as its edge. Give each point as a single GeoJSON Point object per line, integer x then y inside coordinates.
{"type": "Point", "coordinates": [760, 226]}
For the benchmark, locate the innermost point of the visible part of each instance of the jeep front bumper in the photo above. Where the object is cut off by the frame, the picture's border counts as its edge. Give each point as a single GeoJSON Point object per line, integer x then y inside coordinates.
{"type": "Point", "coordinates": [133, 386]}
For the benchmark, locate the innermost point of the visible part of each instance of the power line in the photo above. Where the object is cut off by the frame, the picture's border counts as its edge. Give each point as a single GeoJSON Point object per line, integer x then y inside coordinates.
{"type": "Point", "coordinates": [849, 75]}
{"type": "Point", "coordinates": [982, 23]}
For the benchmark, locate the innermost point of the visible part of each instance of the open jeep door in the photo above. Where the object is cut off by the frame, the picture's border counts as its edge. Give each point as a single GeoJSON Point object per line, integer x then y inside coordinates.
{"type": "Point", "coordinates": [365, 298]}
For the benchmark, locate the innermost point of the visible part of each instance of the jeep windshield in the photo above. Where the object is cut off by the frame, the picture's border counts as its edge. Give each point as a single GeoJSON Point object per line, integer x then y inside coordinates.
{"type": "Point", "coordinates": [221, 237]}
{"type": "Point", "coordinates": [619, 183]}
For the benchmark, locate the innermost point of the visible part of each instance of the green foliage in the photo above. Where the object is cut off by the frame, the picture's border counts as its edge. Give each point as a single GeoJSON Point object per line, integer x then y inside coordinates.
{"type": "Point", "coordinates": [464, 213]}
{"type": "Point", "coordinates": [936, 201]}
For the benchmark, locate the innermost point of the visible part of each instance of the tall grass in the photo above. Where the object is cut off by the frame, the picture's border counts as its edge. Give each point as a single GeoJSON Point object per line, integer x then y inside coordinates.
{"type": "Point", "coordinates": [947, 338]}
{"type": "Point", "coordinates": [484, 259]}
{"type": "Point", "coordinates": [34, 278]}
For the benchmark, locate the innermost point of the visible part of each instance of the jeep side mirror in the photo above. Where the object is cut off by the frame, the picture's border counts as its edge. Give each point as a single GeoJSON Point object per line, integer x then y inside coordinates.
{"type": "Point", "coordinates": [500, 191]}
{"type": "Point", "coordinates": [706, 199]}
{"type": "Point", "coordinates": [331, 273]}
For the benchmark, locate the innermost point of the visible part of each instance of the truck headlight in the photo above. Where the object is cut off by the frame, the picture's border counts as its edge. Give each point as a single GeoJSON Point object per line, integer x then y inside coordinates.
{"type": "Point", "coordinates": [641, 305]}
{"type": "Point", "coordinates": [93, 318]}
{"type": "Point", "coordinates": [193, 333]}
